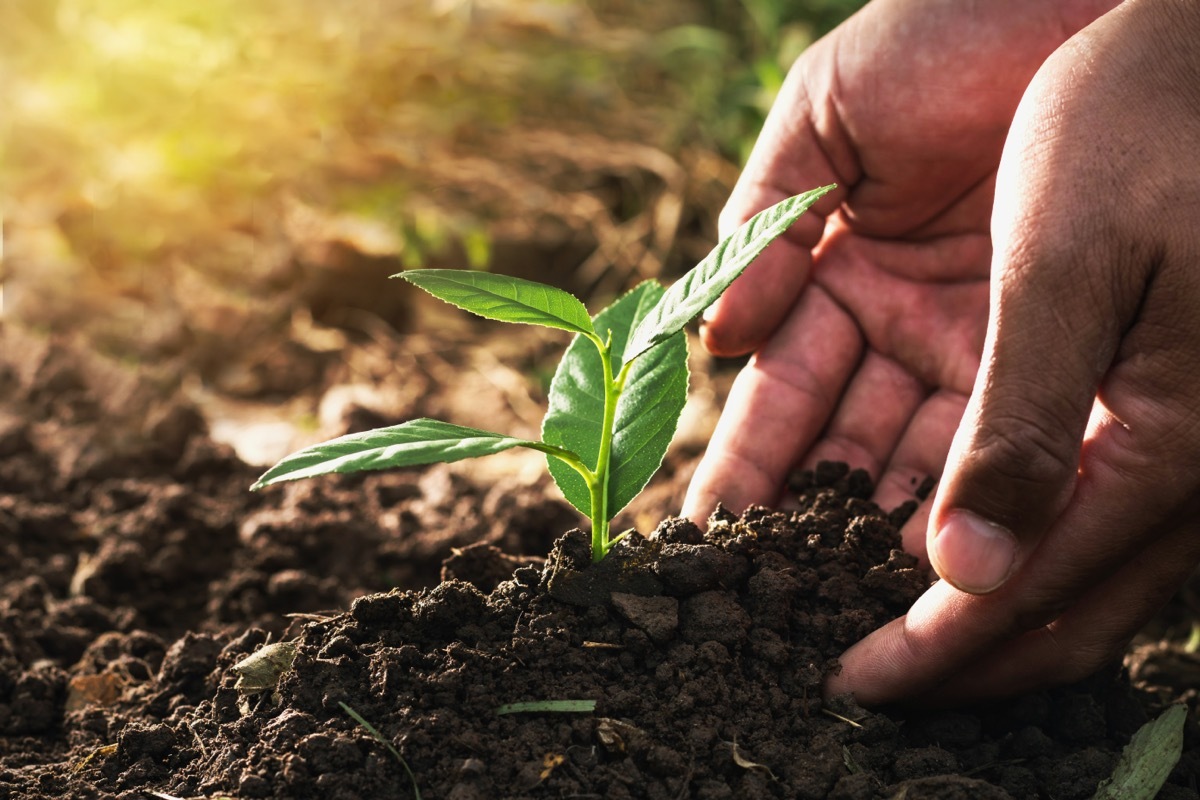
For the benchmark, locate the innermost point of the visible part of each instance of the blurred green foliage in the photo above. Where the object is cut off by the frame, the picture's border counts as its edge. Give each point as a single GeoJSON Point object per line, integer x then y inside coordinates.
{"type": "Point", "coordinates": [138, 131]}
{"type": "Point", "coordinates": [735, 57]}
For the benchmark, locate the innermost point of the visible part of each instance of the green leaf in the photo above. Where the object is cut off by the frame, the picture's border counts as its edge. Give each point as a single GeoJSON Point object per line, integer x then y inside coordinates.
{"type": "Point", "coordinates": [503, 298]}
{"type": "Point", "coordinates": [553, 706]}
{"type": "Point", "coordinates": [421, 441]}
{"type": "Point", "coordinates": [391, 748]}
{"type": "Point", "coordinates": [701, 286]}
{"type": "Point", "coordinates": [1147, 760]}
{"type": "Point", "coordinates": [647, 412]}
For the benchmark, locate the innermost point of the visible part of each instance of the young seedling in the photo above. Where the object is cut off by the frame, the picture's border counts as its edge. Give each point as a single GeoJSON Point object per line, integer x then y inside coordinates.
{"type": "Point", "coordinates": [615, 399]}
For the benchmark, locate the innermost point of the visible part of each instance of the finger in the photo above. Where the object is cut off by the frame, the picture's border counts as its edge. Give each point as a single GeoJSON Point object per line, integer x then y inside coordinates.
{"type": "Point", "coordinates": [1092, 633]}
{"type": "Point", "coordinates": [890, 663]}
{"type": "Point", "coordinates": [912, 533]}
{"type": "Point", "coordinates": [920, 454]}
{"type": "Point", "coordinates": [871, 417]}
{"type": "Point", "coordinates": [1065, 285]}
{"type": "Point", "coordinates": [789, 157]}
{"type": "Point", "coordinates": [955, 646]}
{"type": "Point", "coordinates": [1134, 518]}
{"type": "Point", "coordinates": [776, 408]}
{"type": "Point", "coordinates": [1129, 496]}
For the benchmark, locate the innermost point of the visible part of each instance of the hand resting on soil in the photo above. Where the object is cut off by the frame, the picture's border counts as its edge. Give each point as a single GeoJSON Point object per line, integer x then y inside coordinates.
{"type": "Point", "coordinates": [1002, 293]}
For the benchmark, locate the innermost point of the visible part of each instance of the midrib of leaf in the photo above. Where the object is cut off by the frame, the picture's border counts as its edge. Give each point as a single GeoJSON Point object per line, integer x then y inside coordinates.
{"type": "Point", "coordinates": [630, 449]}
{"type": "Point", "coordinates": [703, 284]}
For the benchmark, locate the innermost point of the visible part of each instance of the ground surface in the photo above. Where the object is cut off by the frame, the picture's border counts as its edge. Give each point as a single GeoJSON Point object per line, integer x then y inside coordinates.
{"type": "Point", "coordinates": [137, 570]}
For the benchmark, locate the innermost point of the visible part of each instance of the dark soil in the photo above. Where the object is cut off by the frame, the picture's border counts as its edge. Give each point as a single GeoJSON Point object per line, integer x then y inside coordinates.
{"type": "Point", "coordinates": [137, 570]}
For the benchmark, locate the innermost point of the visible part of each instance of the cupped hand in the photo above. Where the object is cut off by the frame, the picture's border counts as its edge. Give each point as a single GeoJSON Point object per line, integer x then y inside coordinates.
{"type": "Point", "coordinates": [1068, 509]}
{"type": "Point", "coordinates": [868, 318]}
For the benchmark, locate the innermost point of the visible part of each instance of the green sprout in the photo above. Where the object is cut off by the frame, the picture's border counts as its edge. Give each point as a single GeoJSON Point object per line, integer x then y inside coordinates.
{"type": "Point", "coordinates": [550, 706]}
{"type": "Point", "coordinates": [616, 396]}
{"type": "Point", "coordinates": [371, 729]}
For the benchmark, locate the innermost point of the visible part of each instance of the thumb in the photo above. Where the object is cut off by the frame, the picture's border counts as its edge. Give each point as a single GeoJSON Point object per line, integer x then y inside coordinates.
{"type": "Point", "coordinates": [1057, 309]}
{"type": "Point", "coordinates": [1013, 462]}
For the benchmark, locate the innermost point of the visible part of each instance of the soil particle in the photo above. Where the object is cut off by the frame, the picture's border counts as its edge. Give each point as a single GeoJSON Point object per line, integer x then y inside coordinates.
{"type": "Point", "coordinates": [714, 616]}
{"type": "Point", "coordinates": [657, 616]}
{"type": "Point", "coordinates": [687, 568]}
{"type": "Point", "coordinates": [572, 578]}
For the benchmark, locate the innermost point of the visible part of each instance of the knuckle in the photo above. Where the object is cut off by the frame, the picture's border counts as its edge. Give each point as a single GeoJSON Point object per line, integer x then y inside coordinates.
{"type": "Point", "coordinates": [1155, 420]}
{"type": "Point", "coordinates": [1072, 644]}
{"type": "Point", "coordinates": [1148, 444]}
{"type": "Point", "coordinates": [1022, 447]}
{"type": "Point", "coordinates": [796, 383]}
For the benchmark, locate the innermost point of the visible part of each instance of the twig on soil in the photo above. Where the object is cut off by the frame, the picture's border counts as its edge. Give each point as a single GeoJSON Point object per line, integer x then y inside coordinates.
{"type": "Point", "coordinates": [200, 742]}
{"type": "Point", "coordinates": [310, 617]}
{"type": "Point", "coordinates": [838, 716]}
{"type": "Point", "coordinates": [849, 761]}
{"type": "Point", "coordinates": [1193, 643]}
{"type": "Point", "coordinates": [104, 750]}
{"type": "Point", "coordinates": [746, 763]}
{"type": "Point", "coordinates": [379, 738]}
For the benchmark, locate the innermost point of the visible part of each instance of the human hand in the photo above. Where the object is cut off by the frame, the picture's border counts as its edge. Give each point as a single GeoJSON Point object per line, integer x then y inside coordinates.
{"type": "Point", "coordinates": [1068, 504]}
{"type": "Point", "coordinates": [873, 340]}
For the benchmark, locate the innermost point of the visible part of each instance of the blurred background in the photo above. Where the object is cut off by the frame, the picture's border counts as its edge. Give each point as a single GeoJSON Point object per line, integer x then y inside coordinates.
{"type": "Point", "coordinates": [211, 194]}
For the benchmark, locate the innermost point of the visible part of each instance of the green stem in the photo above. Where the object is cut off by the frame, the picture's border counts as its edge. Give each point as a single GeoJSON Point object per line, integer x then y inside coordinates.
{"type": "Point", "coordinates": [599, 489]}
{"type": "Point", "coordinates": [597, 480]}
{"type": "Point", "coordinates": [566, 456]}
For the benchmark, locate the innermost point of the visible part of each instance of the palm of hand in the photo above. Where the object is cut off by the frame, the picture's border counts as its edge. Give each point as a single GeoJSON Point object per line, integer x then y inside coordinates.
{"type": "Point", "coordinates": [919, 309]}
{"type": "Point", "coordinates": [870, 322]}
{"type": "Point", "coordinates": [868, 326]}
{"type": "Point", "coordinates": [920, 303]}
{"type": "Point", "coordinates": [872, 365]}
{"type": "Point", "coordinates": [869, 332]}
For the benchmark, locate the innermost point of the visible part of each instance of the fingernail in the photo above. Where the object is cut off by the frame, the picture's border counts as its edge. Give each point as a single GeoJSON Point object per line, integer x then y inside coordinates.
{"type": "Point", "coordinates": [973, 554]}
{"type": "Point", "coordinates": [709, 314]}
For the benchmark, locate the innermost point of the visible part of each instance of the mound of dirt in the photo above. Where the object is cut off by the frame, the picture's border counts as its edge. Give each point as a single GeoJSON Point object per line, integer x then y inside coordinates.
{"type": "Point", "coordinates": [138, 572]}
